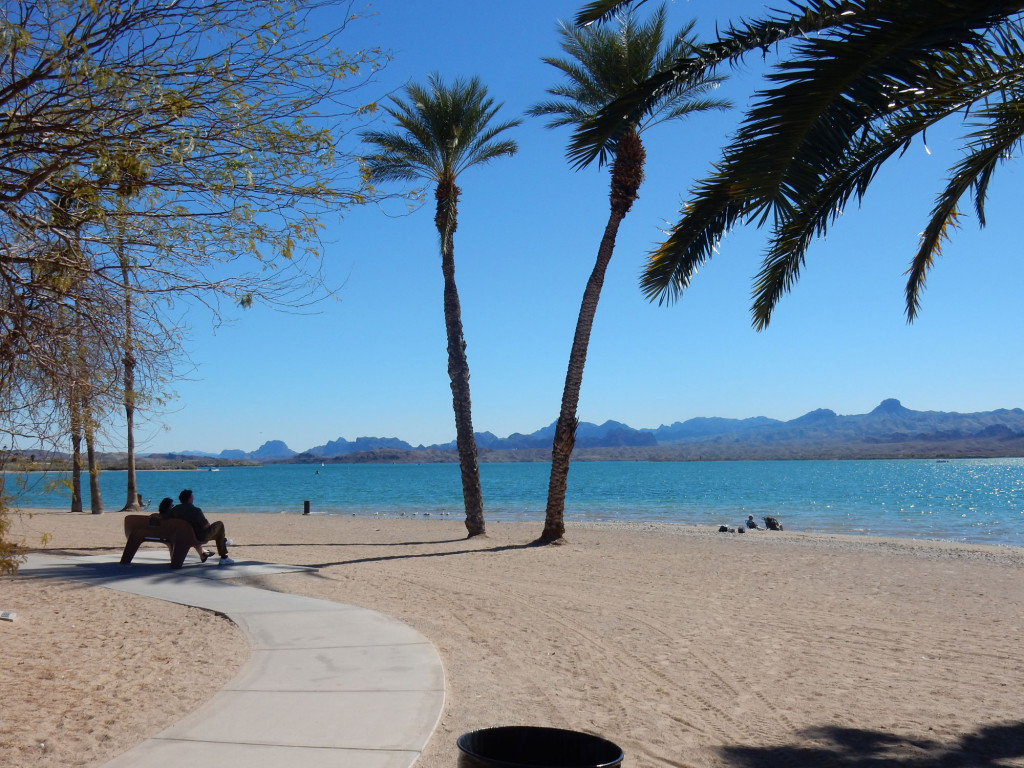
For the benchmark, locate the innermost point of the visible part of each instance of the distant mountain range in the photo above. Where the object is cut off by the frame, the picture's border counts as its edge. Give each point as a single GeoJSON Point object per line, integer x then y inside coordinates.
{"type": "Point", "coordinates": [889, 431]}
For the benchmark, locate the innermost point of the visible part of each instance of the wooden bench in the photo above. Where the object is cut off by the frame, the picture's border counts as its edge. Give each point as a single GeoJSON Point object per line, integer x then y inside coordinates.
{"type": "Point", "coordinates": [176, 534]}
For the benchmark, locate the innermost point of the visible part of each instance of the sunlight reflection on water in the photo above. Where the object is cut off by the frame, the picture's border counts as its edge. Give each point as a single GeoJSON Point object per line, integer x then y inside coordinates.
{"type": "Point", "coordinates": [971, 500]}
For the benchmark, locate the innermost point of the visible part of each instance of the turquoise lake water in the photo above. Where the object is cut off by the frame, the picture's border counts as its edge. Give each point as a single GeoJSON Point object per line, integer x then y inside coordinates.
{"type": "Point", "coordinates": [969, 500]}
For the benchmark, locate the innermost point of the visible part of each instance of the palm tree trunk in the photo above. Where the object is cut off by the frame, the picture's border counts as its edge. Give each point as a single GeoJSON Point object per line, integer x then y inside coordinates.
{"type": "Point", "coordinates": [458, 366]}
{"type": "Point", "coordinates": [565, 429]}
{"type": "Point", "coordinates": [132, 490]}
{"type": "Point", "coordinates": [627, 175]}
{"type": "Point", "coordinates": [132, 503]}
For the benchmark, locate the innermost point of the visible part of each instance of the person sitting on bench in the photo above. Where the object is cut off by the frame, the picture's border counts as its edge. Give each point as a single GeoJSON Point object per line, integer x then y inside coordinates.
{"type": "Point", "coordinates": [163, 509]}
{"type": "Point", "coordinates": [204, 530]}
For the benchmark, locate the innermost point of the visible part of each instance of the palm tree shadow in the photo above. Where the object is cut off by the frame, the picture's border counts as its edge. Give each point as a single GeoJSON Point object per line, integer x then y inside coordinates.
{"type": "Point", "coordinates": [986, 747]}
{"type": "Point", "coordinates": [448, 553]}
{"type": "Point", "coordinates": [358, 543]}
{"type": "Point", "coordinates": [72, 551]}
{"type": "Point", "coordinates": [76, 551]}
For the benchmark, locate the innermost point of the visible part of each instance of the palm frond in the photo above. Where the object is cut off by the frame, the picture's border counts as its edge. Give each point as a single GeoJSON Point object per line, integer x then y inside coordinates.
{"type": "Point", "coordinates": [602, 10]}
{"type": "Point", "coordinates": [987, 147]}
{"type": "Point", "coordinates": [671, 266]}
{"type": "Point", "coordinates": [484, 153]}
{"type": "Point", "coordinates": [601, 64]}
{"type": "Point", "coordinates": [444, 129]}
{"type": "Point", "coordinates": [801, 151]}
{"type": "Point", "coordinates": [562, 113]}
{"type": "Point", "coordinates": [811, 216]}
{"type": "Point", "coordinates": [685, 107]}
{"type": "Point", "coordinates": [379, 168]}
{"type": "Point", "coordinates": [733, 45]}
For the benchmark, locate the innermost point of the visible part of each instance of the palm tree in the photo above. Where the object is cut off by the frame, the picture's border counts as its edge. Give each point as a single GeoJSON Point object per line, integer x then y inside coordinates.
{"type": "Point", "coordinates": [861, 81]}
{"type": "Point", "coordinates": [127, 176]}
{"type": "Point", "coordinates": [601, 66]}
{"type": "Point", "coordinates": [132, 504]}
{"type": "Point", "coordinates": [443, 131]}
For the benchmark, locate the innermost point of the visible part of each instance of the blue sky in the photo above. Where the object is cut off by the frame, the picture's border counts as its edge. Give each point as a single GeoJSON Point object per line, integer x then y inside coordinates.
{"type": "Point", "coordinates": [374, 363]}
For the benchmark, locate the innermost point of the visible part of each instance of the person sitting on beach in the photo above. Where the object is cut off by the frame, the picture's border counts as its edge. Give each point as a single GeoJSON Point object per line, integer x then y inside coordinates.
{"type": "Point", "coordinates": [751, 523]}
{"type": "Point", "coordinates": [164, 509]}
{"type": "Point", "coordinates": [204, 530]}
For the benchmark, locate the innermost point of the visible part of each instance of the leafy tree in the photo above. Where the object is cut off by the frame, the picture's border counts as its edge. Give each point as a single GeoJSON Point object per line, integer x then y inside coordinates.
{"type": "Point", "coordinates": [860, 81]}
{"type": "Point", "coordinates": [183, 138]}
{"type": "Point", "coordinates": [176, 150]}
{"type": "Point", "coordinates": [443, 131]}
{"type": "Point", "coordinates": [601, 65]}
{"type": "Point", "coordinates": [12, 554]}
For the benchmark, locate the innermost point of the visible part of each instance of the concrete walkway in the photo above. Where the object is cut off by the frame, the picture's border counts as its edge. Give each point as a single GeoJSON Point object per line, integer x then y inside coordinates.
{"type": "Point", "coordinates": [327, 684]}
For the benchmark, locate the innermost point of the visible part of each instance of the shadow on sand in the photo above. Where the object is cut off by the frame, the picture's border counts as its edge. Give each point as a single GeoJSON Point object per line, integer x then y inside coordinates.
{"type": "Point", "coordinates": [1000, 744]}
{"type": "Point", "coordinates": [104, 570]}
{"type": "Point", "coordinates": [447, 553]}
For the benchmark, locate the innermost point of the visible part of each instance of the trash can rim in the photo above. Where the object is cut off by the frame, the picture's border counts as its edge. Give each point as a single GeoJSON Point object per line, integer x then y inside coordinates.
{"type": "Point", "coordinates": [537, 728]}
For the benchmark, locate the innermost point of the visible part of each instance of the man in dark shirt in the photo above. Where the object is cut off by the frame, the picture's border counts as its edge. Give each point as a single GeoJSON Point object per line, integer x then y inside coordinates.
{"type": "Point", "coordinates": [204, 530]}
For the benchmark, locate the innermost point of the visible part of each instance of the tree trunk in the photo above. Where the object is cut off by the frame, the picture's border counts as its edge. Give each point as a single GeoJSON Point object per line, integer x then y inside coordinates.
{"type": "Point", "coordinates": [95, 499]}
{"type": "Point", "coordinates": [565, 428]}
{"type": "Point", "coordinates": [447, 195]}
{"type": "Point", "coordinates": [74, 403]}
{"type": "Point", "coordinates": [627, 175]}
{"type": "Point", "coordinates": [132, 503]}
{"type": "Point", "coordinates": [86, 418]}
{"type": "Point", "coordinates": [76, 455]}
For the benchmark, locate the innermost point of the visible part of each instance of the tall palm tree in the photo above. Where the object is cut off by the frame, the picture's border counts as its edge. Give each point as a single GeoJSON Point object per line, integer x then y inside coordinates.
{"type": "Point", "coordinates": [132, 503]}
{"type": "Point", "coordinates": [127, 175]}
{"type": "Point", "coordinates": [444, 130]}
{"type": "Point", "coordinates": [601, 65]}
{"type": "Point", "coordinates": [861, 81]}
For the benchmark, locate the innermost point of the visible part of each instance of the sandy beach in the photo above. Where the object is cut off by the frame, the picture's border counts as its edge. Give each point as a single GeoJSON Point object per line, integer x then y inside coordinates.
{"type": "Point", "coordinates": [687, 647]}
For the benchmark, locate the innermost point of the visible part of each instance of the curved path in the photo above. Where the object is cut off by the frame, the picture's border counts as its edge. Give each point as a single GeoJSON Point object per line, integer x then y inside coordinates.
{"type": "Point", "coordinates": [327, 684]}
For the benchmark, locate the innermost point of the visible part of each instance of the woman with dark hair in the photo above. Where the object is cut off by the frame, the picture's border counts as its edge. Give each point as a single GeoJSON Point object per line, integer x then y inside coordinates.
{"type": "Point", "coordinates": [164, 509]}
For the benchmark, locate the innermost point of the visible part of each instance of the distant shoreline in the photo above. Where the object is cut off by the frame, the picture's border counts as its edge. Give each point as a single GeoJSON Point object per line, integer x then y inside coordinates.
{"type": "Point", "coordinates": [661, 453]}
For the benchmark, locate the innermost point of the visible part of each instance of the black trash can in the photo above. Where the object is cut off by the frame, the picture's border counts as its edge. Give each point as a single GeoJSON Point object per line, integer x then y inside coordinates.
{"type": "Point", "coordinates": [523, 746]}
